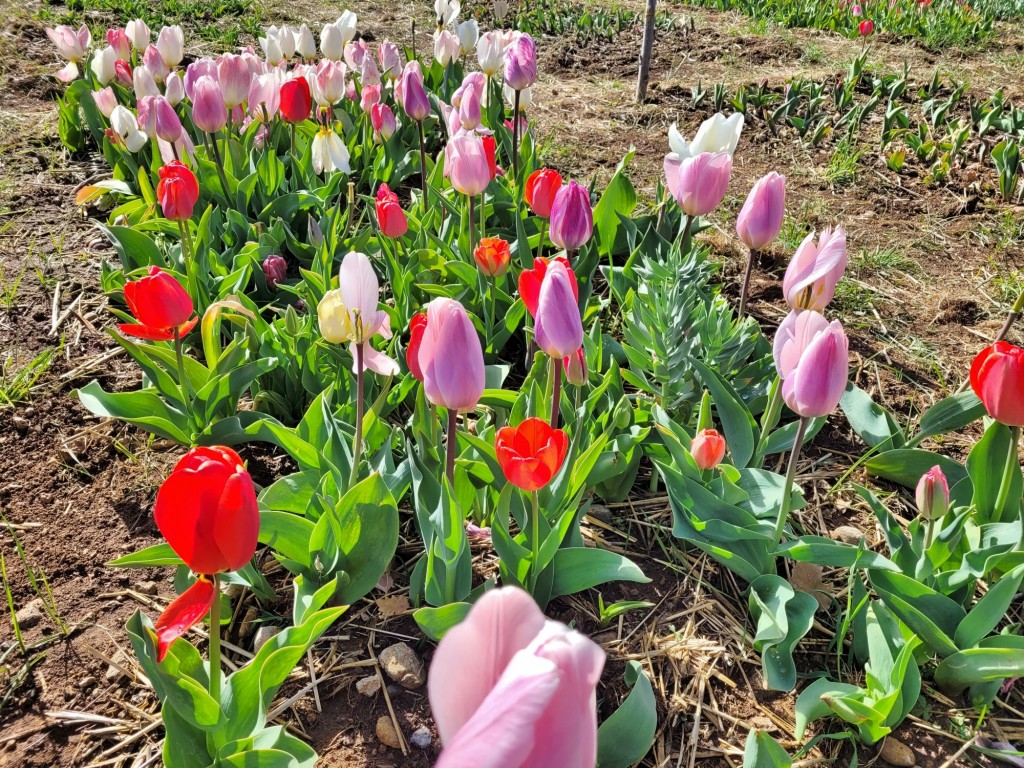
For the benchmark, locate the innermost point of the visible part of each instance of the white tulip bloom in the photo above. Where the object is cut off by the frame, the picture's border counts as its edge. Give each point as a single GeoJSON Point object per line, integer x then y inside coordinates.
{"type": "Point", "coordinates": [717, 134]}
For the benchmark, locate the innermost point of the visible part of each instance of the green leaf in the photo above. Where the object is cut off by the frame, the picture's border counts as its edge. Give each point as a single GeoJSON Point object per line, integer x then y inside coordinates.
{"type": "Point", "coordinates": [822, 551]}
{"type": "Point", "coordinates": [143, 408]}
{"type": "Point", "coordinates": [869, 420]}
{"type": "Point", "coordinates": [737, 423]}
{"type": "Point", "coordinates": [931, 615]}
{"type": "Point", "coordinates": [985, 464]}
{"type": "Point", "coordinates": [989, 611]}
{"type": "Point", "coordinates": [762, 751]}
{"type": "Point", "coordinates": [626, 736]}
{"type": "Point", "coordinates": [287, 534]}
{"type": "Point", "coordinates": [184, 745]}
{"type": "Point", "coordinates": [157, 555]}
{"type": "Point", "coordinates": [435, 622]}
{"type": "Point", "coordinates": [989, 663]}
{"type": "Point", "coordinates": [906, 465]}
{"type": "Point", "coordinates": [950, 414]}
{"type": "Point", "coordinates": [783, 617]}
{"type": "Point", "coordinates": [579, 568]}
{"type": "Point", "coordinates": [619, 198]}
{"type": "Point", "coordinates": [810, 705]}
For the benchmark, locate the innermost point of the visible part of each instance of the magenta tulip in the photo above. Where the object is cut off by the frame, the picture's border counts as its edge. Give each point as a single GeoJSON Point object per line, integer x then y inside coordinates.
{"type": "Point", "coordinates": [814, 272]}
{"type": "Point", "coordinates": [760, 219]}
{"type": "Point", "coordinates": [509, 689]}
{"type": "Point", "coordinates": [812, 357]}
{"type": "Point", "coordinates": [209, 112]}
{"type": "Point", "coordinates": [465, 163]}
{"type": "Point", "coordinates": [698, 183]}
{"type": "Point", "coordinates": [410, 93]}
{"type": "Point", "coordinates": [450, 357]}
{"type": "Point", "coordinates": [572, 218]}
{"type": "Point", "coordinates": [521, 63]}
{"type": "Point", "coordinates": [558, 327]}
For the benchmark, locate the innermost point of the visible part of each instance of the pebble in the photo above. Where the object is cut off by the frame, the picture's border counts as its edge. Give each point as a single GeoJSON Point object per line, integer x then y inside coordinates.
{"type": "Point", "coordinates": [386, 733]}
{"type": "Point", "coordinates": [263, 635]}
{"type": "Point", "coordinates": [848, 535]}
{"type": "Point", "coordinates": [368, 685]}
{"type": "Point", "coordinates": [146, 588]}
{"type": "Point", "coordinates": [87, 682]}
{"type": "Point", "coordinates": [895, 752]}
{"type": "Point", "coordinates": [30, 614]}
{"type": "Point", "coordinates": [113, 673]}
{"type": "Point", "coordinates": [421, 737]}
{"type": "Point", "coordinates": [20, 424]}
{"type": "Point", "coordinates": [402, 665]}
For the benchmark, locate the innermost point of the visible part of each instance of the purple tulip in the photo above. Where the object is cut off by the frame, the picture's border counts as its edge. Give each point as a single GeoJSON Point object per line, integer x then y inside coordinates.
{"type": "Point", "coordinates": [558, 326]}
{"type": "Point", "coordinates": [168, 124]}
{"type": "Point", "coordinates": [572, 218]}
{"type": "Point", "coordinates": [195, 70]}
{"type": "Point", "coordinates": [698, 183]}
{"type": "Point", "coordinates": [760, 219]}
{"type": "Point", "coordinates": [274, 269]}
{"type": "Point", "coordinates": [208, 110]}
{"type": "Point", "coordinates": [521, 63]}
{"type": "Point", "coordinates": [410, 93]}
{"type": "Point", "coordinates": [812, 357]}
{"type": "Point", "coordinates": [390, 57]}
{"type": "Point", "coordinates": [465, 163]}
{"type": "Point", "coordinates": [450, 357]}
{"type": "Point", "coordinates": [509, 689]}
{"type": "Point", "coordinates": [814, 272]}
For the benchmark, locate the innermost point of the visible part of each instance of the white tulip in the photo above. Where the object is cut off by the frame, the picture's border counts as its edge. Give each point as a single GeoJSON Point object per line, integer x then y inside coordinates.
{"type": "Point", "coordinates": [102, 64]}
{"type": "Point", "coordinates": [469, 33]}
{"type": "Point", "coordinates": [717, 134]}
{"type": "Point", "coordinates": [305, 45]}
{"type": "Point", "coordinates": [490, 52]}
{"type": "Point", "coordinates": [329, 152]}
{"type": "Point", "coordinates": [346, 24]}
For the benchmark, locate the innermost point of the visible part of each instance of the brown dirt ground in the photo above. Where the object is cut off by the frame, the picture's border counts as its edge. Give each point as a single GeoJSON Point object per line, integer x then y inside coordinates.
{"type": "Point", "coordinates": [78, 491]}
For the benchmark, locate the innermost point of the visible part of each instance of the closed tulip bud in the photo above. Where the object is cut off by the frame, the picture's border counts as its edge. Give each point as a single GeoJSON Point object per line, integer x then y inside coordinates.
{"type": "Point", "coordinates": [174, 89]}
{"type": "Point", "coordinates": [531, 454]}
{"type": "Point", "coordinates": [138, 32]}
{"type": "Point", "coordinates": [118, 40]}
{"type": "Point", "coordinates": [286, 35]}
{"type": "Point", "coordinates": [369, 96]}
{"type": "Point", "coordinates": [208, 110]}
{"type": "Point", "coordinates": [867, 27]}
{"type": "Point", "coordinates": [491, 152]}
{"type": "Point", "coordinates": [698, 183]}
{"type": "Point", "coordinates": [105, 101]}
{"type": "Point", "coordinates": [144, 83]}
{"type": "Point", "coordinates": [708, 449]}
{"type": "Point", "coordinates": [160, 305]}
{"type": "Point", "coordinates": [177, 191]}
{"type": "Point", "coordinates": [123, 74]}
{"type": "Point", "coordinates": [152, 60]}
{"type": "Point", "coordinates": [446, 47]}
{"type": "Point", "coordinates": [451, 358]}
{"type": "Point", "coordinates": [466, 164]}
{"type": "Point", "coordinates": [272, 50]}
{"type": "Point", "coordinates": [170, 42]}
{"type": "Point", "coordinates": [572, 218]}
{"type": "Point", "coordinates": [305, 45]}
{"type": "Point", "coordinates": [521, 63]}
{"type": "Point", "coordinates": [857, 11]}
{"type": "Point", "coordinates": [468, 32]}
{"type": "Point", "coordinates": [274, 269]}
{"type": "Point", "coordinates": [102, 64]}
{"type": "Point", "coordinates": [531, 280]}
{"type": "Point", "coordinates": [167, 124]}
{"type": "Point", "coordinates": [411, 93]}
{"type": "Point", "coordinates": [811, 277]}
{"type": "Point", "coordinates": [558, 327]}
{"type": "Point", "coordinates": [235, 77]}
{"type": "Point", "coordinates": [332, 44]}
{"type": "Point", "coordinates": [346, 24]}
{"type": "Point", "coordinates": [541, 188]}
{"type": "Point", "coordinates": [933, 494]}
{"type": "Point", "coordinates": [390, 57]}
{"type": "Point", "coordinates": [390, 216]}
{"type": "Point", "coordinates": [575, 366]}
{"type": "Point", "coordinates": [760, 219]}
{"type": "Point", "coordinates": [493, 256]}
{"type": "Point", "coordinates": [500, 10]}
{"type": "Point", "coordinates": [470, 111]}
{"type": "Point", "coordinates": [997, 378]}
{"type": "Point", "coordinates": [204, 67]}
{"type": "Point", "coordinates": [812, 358]}
{"type": "Point", "coordinates": [490, 53]}
{"type": "Point", "coordinates": [383, 121]}
{"type": "Point", "coordinates": [296, 100]}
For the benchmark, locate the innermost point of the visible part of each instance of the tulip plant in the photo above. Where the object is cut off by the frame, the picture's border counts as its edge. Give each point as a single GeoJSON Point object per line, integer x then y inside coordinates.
{"type": "Point", "coordinates": [358, 257]}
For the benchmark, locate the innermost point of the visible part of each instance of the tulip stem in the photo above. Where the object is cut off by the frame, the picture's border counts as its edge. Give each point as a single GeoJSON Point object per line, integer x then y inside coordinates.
{"type": "Point", "coordinates": [220, 166]}
{"type": "Point", "coordinates": [357, 445]}
{"type": "Point", "coordinates": [186, 250]}
{"type": "Point", "coordinates": [515, 140]}
{"type": "Point", "coordinates": [556, 390]}
{"type": "Point", "coordinates": [423, 166]}
{"type": "Point", "coordinates": [534, 540]}
{"type": "Point", "coordinates": [746, 283]}
{"type": "Point", "coordinates": [770, 417]}
{"type": "Point", "coordinates": [295, 154]}
{"type": "Point", "coordinates": [787, 489]}
{"type": "Point", "coordinates": [1012, 464]}
{"type": "Point", "coordinates": [928, 534]}
{"type": "Point", "coordinates": [483, 215]}
{"type": "Point", "coordinates": [182, 381]}
{"type": "Point", "coordinates": [215, 640]}
{"type": "Point", "coordinates": [543, 234]}
{"type": "Point", "coordinates": [453, 416]}
{"type": "Point", "coordinates": [472, 228]}
{"type": "Point", "coordinates": [227, 139]}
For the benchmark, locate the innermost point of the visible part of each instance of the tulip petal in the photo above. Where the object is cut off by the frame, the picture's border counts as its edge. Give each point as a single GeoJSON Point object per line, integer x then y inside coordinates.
{"type": "Point", "coordinates": [184, 613]}
{"type": "Point", "coordinates": [145, 332]}
{"type": "Point", "coordinates": [236, 531]}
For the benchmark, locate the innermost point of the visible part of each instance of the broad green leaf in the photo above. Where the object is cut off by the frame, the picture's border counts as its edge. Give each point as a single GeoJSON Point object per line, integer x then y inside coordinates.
{"type": "Point", "coordinates": [949, 414]}
{"type": "Point", "coordinates": [931, 615]}
{"type": "Point", "coordinates": [287, 535]}
{"type": "Point", "coordinates": [157, 555]}
{"type": "Point", "coordinates": [816, 549]}
{"type": "Point", "coordinates": [999, 658]}
{"type": "Point", "coordinates": [986, 464]}
{"type": "Point", "coordinates": [869, 420]}
{"type": "Point", "coordinates": [626, 736]}
{"type": "Point", "coordinates": [906, 465]}
{"type": "Point", "coordinates": [989, 611]}
{"type": "Point", "coordinates": [737, 423]}
{"type": "Point", "coordinates": [810, 705]}
{"type": "Point", "coordinates": [762, 751]}
{"type": "Point", "coordinates": [579, 568]}
{"type": "Point", "coordinates": [783, 617]}
{"type": "Point", "coordinates": [436, 622]}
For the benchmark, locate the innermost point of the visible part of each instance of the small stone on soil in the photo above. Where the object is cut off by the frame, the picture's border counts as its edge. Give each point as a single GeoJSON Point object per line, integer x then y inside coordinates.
{"type": "Point", "coordinates": [421, 737]}
{"type": "Point", "coordinates": [113, 673]}
{"type": "Point", "coordinates": [401, 664]}
{"type": "Point", "coordinates": [368, 685]}
{"type": "Point", "coordinates": [847, 534]}
{"type": "Point", "coordinates": [87, 682]}
{"type": "Point", "coordinates": [897, 753]}
{"type": "Point", "coordinates": [30, 614]}
{"type": "Point", "coordinates": [386, 733]}
{"type": "Point", "coordinates": [146, 588]}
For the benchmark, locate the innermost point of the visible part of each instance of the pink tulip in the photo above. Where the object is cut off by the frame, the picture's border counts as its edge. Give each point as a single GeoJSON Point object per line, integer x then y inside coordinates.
{"type": "Point", "coordinates": [450, 357]}
{"type": "Point", "coordinates": [355, 52]}
{"type": "Point", "coordinates": [155, 63]}
{"type": "Point", "coordinates": [558, 326]}
{"type": "Point", "coordinates": [105, 101]}
{"type": "Point", "coordinates": [446, 47]}
{"type": "Point", "coordinates": [264, 97]}
{"type": "Point", "coordinates": [760, 219]}
{"type": "Point", "coordinates": [511, 690]}
{"type": "Point", "coordinates": [174, 89]}
{"type": "Point", "coordinates": [330, 82]}
{"type": "Point", "coordinates": [205, 67]}
{"type": "Point", "coordinates": [812, 358]}
{"type": "Point", "coordinates": [369, 96]}
{"type": "Point", "coordinates": [698, 183]}
{"type": "Point", "coordinates": [814, 272]}
{"type": "Point", "coordinates": [138, 32]}
{"type": "Point", "coordinates": [71, 45]}
{"type": "Point", "coordinates": [521, 63]}
{"type": "Point", "coordinates": [383, 121]}
{"type": "Point", "coordinates": [572, 218]}
{"type": "Point", "coordinates": [390, 60]}
{"type": "Point", "coordinates": [932, 494]}
{"type": "Point", "coordinates": [575, 366]}
{"type": "Point", "coordinates": [274, 269]}
{"type": "Point", "coordinates": [170, 42]}
{"type": "Point", "coordinates": [123, 73]}
{"type": "Point", "coordinates": [208, 110]}
{"type": "Point", "coordinates": [866, 27]}
{"type": "Point", "coordinates": [410, 93]}
{"type": "Point", "coordinates": [144, 83]}
{"type": "Point", "coordinates": [167, 125]}
{"type": "Point", "coordinates": [118, 40]}
{"type": "Point", "coordinates": [235, 76]}
{"type": "Point", "coordinates": [465, 164]}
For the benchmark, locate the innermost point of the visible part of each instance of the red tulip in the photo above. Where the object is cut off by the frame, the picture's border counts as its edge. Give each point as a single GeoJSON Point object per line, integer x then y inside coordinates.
{"type": "Point", "coordinates": [177, 191]}
{"type": "Point", "coordinates": [997, 377]}
{"type": "Point", "coordinates": [390, 216]}
{"type": "Point", "coordinates": [417, 327]}
{"type": "Point", "coordinates": [208, 513]}
{"type": "Point", "coordinates": [296, 100]}
{"type": "Point", "coordinates": [867, 27]}
{"type": "Point", "coordinates": [493, 256]}
{"type": "Point", "coordinates": [530, 281]}
{"type": "Point", "coordinates": [708, 449]}
{"type": "Point", "coordinates": [531, 454]}
{"type": "Point", "coordinates": [160, 305]}
{"type": "Point", "coordinates": [541, 188]}
{"type": "Point", "coordinates": [491, 152]}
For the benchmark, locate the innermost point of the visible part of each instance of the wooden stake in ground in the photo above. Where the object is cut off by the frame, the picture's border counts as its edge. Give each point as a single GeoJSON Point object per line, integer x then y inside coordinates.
{"type": "Point", "coordinates": [645, 53]}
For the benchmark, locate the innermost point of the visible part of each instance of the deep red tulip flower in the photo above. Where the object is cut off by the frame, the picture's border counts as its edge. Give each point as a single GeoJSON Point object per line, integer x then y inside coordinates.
{"type": "Point", "coordinates": [296, 100]}
{"type": "Point", "coordinates": [531, 454]}
{"type": "Point", "coordinates": [541, 188]}
{"type": "Point", "coordinates": [708, 449]}
{"type": "Point", "coordinates": [997, 377]}
{"type": "Point", "coordinates": [177, 191]}
{"type": "Point", "coordinates": [530, 281]}
{"type": "Point", "coordinates": [160, 305]}
{"type": "Point", "coordinates": [491, 152]}
{"type": "Point", "coordinates": [417, 327]}
{"type": "Point", "coordinates": [390, 216]}
{"type": "Point", "coordinates": [208, 513]}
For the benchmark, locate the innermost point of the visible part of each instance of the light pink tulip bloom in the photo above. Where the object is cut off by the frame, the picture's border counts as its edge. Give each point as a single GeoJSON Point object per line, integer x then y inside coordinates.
{"type": "Point", "coordinates": [369, 96]}
{"type": "Point", "coordinates": [144, 83]}
{"type": "Point", "coordinates": [450, 357]}
{"type": "Point", "coordinates": [154, 62]}
{"type": "Point", "coordinates": [390, 60]}
{"type": "Point", "coordinates": [465, 164]}
{"type": "Point", "coordinates": [355, 52]}
{"type": "Point", "coordinates": [446, 47]}
{"type": "Point", "coordinates": [812, 357]}
{"type": "Point", "coordinates": [330, 82]}
{"type": "Point", "coordinates": [138, 32]}
{"type": "Point", "coordinates": [208, 110]}
{"type": "Point", "coordinates": [71, 45]}
{"type": "Point", "coordinates": [174, 89]}
{"type": "Point", "coordinates": [234, 75]}
{"type": "Point", "coordinates": [698, 183]}
{"type": "Point", "coordinates": [410, 93]}
{"type": "Point", "coordinates": [204, 67]}
{"type": "Point", "coordinates": [264, 97]}
{"type": "Point", "coordinates": [105, 101]}
{"type": "Point", "coordinates": [118, 40]}
{"type": "Point", "coordinates": [509, 689]}
{"type": "Point", "coordinates": [760, 219]}
{"type": "Point", "coordinates": [814, 272]}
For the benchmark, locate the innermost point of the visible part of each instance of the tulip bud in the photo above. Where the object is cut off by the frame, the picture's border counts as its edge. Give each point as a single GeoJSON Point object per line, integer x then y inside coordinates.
{"type": "Point", "coordinates": [171, 45]}
{"type": "Point", "coordinates": [446, 47]}
{"type": "Point", "coordinates": [572, 218]}
{"type": "Point", "coordinates": [417, 327]}
{"type": "Point", "coordinates": [118, 40]}
{"type": "Point", "coordinates": [411, 94]}
{"type": "Point", "coordinates": [812, 358]}
{"type": "Point", "coordinates": [167, 125]}
{"type": "Point", "coordinates": [866, 27]}
{"type": "Point", "coordinates": [493, 256]}
{"type": "Point", "coordinates": [451, 357]}
{"type": "Point", "coordinates": [490, 53]}
{"type": "Point", "coordinates": [208, 110]}
{"type": "Point", "coordinates": [390, 216]}
{"type": "Point", "coordinates": [760, 219]}
{"type": "Point", "coordinates": [390, 60]}
{"type": "Point", "coordinates": [933, 494]}
{"type": "Point", "coordinates": [234, 76]}
{"type": "Point", "coordinates": [708, 449]}
{"type": "Point", "coordinates": [144, 83]}
{"type": "Point", "coordinates": [305, 45]}
{"type": "Point", "coordinates": [383, 121]}
{"type": "Point", "coordinates": [296, 100]}
{"type": "Point", "coordinates": [274, 269]}
{"type": "Point", "coordinates": [369, 96]}
{"type": "Point", "coordinates": [558, 328]}
{"type": "Point", "coordinates": [575, 366]}
{"type": "Point", "coordinates": [138, 32]}
{"type": "Point", "coordinates": [174, 89]}
{"type": "Point", "coordinates": [346, 24]}
{"type": "Point", "coordinates": [123, 74]}
{"type": "Point", "coordinates": [102, 64]}
{"type": "Point", "coordinates": [155, 63]}
{"type": "Point", "coordinates": [541, 188]}
{"type": "Point", "coordinates": [332, 44]}
{"type": "Point", "coordinates": [468, 33]}
{"type": "Point", "coordinates": [698, 183]}
{"type": "Point", "coordinates": [105, 101]}
{"type": "Point", "coordinates": [521, 63]}
{"type": "Point", "coordinates": [466, 164]}
{"type": "Point", "coordinates": [177, 191]}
